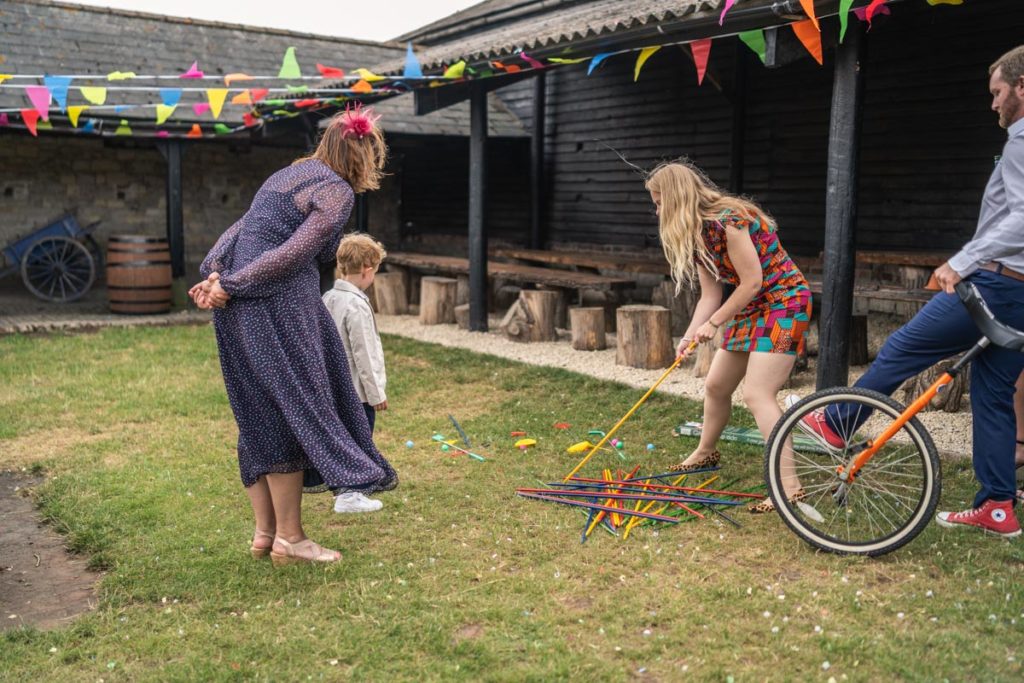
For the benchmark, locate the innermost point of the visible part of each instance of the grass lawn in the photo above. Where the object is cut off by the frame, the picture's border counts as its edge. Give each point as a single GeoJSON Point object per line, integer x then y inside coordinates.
{"type": "Point", "coordinates": [456, 578]}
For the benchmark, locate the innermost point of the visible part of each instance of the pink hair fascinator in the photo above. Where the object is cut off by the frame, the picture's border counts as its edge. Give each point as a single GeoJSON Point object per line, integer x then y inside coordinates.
{"type": "Point", "coordinates": [357, 121]}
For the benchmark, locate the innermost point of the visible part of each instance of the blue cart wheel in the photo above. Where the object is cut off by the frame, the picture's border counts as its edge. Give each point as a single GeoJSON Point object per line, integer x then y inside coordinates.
{"type": "Point", "coordinates": [58, 269]}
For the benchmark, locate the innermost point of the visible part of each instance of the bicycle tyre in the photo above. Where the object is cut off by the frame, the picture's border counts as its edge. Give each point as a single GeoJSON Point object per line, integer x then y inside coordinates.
{"type": "Point", "coordinates": [800, 516]}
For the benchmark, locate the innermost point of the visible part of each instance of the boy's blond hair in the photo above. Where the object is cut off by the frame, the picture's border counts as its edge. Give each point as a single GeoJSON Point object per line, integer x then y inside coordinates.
{"type": "Point", "coordinates": [356, 251]}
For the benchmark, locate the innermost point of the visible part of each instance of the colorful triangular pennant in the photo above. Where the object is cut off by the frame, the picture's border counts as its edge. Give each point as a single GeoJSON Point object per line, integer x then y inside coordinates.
{"type": "Point", "coordinates": [94, 95]}
{"type": "Point", "coordinates": [242, 98]}
{"type": "Point", "coordinates": [196, 131]}
{"type": "Point", "coordinates": [596, 61]}
{"type": "Point", "coordinates": [755, 41]}
{"type": "Point", "coordinates": [120, 75]}
{"type": "Point", "coordinates": [808, 7]}
{"type": "Point", "coordinates": [123, 128]}
{"type": "Point", "coordinates": [216, 96]}
{"type": "Point", "coordinates": [330, 71]}
{"type": "Point", "coordinates": [455, 70]}
{"type": "Point", "coordinates": [289, 65]}
{"type": "Point", "coordinates": [30, 117]}
{"type": "Point", "coordinates": [362, 87]}
{"type": "Point", "coordinates": [701, 50]}
{"type": "Point", "coordinates": [170, 96]}
{"type": "Point", "coordinates": [412, 65]}
{"type": "Point", "coordinates": [726, 8]}
{"type": "Point", "coordinates": [642, 58]}
{"type": "Point", "coordinates": [844, 17]}
{"type": "Point", "coordinates": [39, 96]}
{"type": "Point", "coordinates": [163, 112]}
{"type": "Point", "coordinates": [74, 111]}
{"type": "Point", "coordinates": [58, 86]}
{"type": "Point", "coordinates": [810, 36]}
{"type": "Point", "coordinates": [201, 108]}
{"type": "Point", "coordinates": [193, 72]}
{"type": "Point", "coordinates": [236, 77]}
{"type": "Point", "coordinates": [259, 93]}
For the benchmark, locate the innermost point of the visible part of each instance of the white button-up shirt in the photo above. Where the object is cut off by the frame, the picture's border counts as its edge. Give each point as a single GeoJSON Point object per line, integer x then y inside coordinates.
{"type": "Point", "coordinates": [353, 316]}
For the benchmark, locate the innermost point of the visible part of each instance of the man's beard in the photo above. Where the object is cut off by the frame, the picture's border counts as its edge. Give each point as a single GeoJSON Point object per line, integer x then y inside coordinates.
{"type": "Point", "coordinates": [1010, 111]}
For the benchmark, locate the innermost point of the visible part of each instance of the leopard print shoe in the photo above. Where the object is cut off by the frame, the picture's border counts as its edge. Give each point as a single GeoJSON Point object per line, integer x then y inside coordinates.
{"type": "Point", "coordinates": [767, 505]}
{"type": "Point", "coordinates": [704, 463]}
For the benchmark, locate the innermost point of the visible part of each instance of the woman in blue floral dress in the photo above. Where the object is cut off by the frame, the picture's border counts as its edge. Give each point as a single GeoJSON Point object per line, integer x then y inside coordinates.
{"type": "Point", "coordinates": [284, 365]}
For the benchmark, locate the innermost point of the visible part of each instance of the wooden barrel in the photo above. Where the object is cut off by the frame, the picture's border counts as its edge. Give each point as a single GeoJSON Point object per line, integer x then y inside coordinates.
{"type": "Point", "coordinates": [138, 274]}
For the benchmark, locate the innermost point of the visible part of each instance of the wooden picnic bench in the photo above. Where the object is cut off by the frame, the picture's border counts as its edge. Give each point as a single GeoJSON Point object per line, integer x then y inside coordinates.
{"type": "Point", "coordinates": [626, 263]}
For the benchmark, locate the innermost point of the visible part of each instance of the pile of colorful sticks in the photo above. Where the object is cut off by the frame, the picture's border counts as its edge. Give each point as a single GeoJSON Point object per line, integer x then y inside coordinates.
{"type": "Point", "coordinates": [623, 502]}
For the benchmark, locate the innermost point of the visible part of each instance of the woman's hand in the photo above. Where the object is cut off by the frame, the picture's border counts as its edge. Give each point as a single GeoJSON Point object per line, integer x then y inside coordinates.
{"type": "Point", "coordinates": [199, 295]}
{"type": "Point", "coordinates": [215, 294]}
{"type": "Point", "coordinates": [683, 350]}
{"type": "Point", "coordinates": [383, 405]}
{"type": "Point", "coordinates": [706, 332]}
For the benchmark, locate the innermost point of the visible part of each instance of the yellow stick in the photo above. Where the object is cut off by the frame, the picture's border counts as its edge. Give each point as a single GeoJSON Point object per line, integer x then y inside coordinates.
{"type": "Point", "coordinates": [665, 506]}
{"type": "Point", "coordinates": [633, 522]}
{"type": "Point", "coordinates": [625, 417]}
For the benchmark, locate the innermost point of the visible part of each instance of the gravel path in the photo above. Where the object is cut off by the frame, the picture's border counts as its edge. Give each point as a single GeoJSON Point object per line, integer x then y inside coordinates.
{"type": "Point", "coordinates": [951, 432]}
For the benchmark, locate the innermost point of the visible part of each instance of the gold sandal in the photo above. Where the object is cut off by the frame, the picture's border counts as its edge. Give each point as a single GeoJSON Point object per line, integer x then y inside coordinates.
{"type": "Point", "coordinates": [706, 462]}
{"type": "Point", "coordinates": [259, 552]}
{"type": "Point", "coordinates": [767, 505]}
{"type": "Point", "coordinates": [301, 551]}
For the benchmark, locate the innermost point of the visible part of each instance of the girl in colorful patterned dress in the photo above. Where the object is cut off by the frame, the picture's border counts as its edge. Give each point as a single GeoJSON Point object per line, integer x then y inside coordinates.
{"type": "Point", "coordinates": [714, 238]}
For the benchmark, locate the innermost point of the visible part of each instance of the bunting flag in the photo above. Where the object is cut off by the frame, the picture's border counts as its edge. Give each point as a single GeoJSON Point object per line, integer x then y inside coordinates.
{"type": "Point", "coordinates": [236, 77]}
{"type": "Point", "coordinates": [412, 65]}
{"type": "Point", "coordinates": [216, 97]}
{"type": "Point", "coordinates": [95, 96]}
{"type": "Point", "coordinates": [701, 51]}
{"type": "Point", "coordinates": [755, 41]}
{"type": "Point", "coordinates": [39, 96]}
{"type": "Point", "coordinates": [74, 111]}
{"type": "Point", "coordinates": [4, 77]}
{"type": "Point", "coordinates": [170, 96]}
{"type": "Point", "coordinates": [163, 134]}
{"type": "Point", "coordinates": [869, 13]}
{"type": "Point", "coordinates": [259, 93]}
{"type": "Point", "coordinates": [330, 71]}
{"type": "Point", "coordinates": [4, 120]}
{"type": "Point", "coordinates": [30, 118]}
{"type": "Point", "coordinates": [242, 98]}
{"type": "Point", "coordinates": [90, 126]}
{"type": "Point", "coordinates": [861, 12]}
{"type": "Point", "coordinates": [221, 129]}
{"type": "Point", "coordinates": [596, 61]}
{"type": "Point", "coordinates": [58, 86]}
{"type": "Point", "coordinates": [248, 119]}
{"type": "Point", "coordinates": [844, 17]}
{"type": "Point", "coordinates": [193, 72]}
{"type": "Point", "coordinates": [728, 6]}
{"type": "Point", "coordinates": [123, 128]}
{"type": "Point", "coordinates": [641, 59]}
{"type": "Point", "coordinates": [455, 70]}
{"type": "Point", "coordinates": [808, 7]}
{"type": "Point", "coordinates": [810, 36]}
{"type": "Point", "coordinates": [120, 75]}
{"type": "Point", "coordinates": [297, 89]}
{"type": "Point", "coordinates": [566, 60]}
{"type": "Point", "coordinates": [302, 104]}
{"type": "Point", "coordinates": [289, 65]}
{"type": "Point", "coordinates": [362, 87]}
{"type": "Point", "coordinates": [163, 112]}
{"type": "Point", "coordinates": [44, 125]}
{"type": "Point", "coordinates": [534, 64]}
{"type": "Point", "coordinates": [196, 131]}
{"type": "Point", "coordinates": [933, 3]}
{"type": "Point", "coordinates": [368, 75]}
{"type": "Point", "coordinates": [200, 108]}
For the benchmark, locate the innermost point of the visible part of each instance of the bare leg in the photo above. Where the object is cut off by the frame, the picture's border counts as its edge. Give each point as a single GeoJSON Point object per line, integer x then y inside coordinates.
{"type": "Point", "coordinates": [286, 495]}
{"type": "Point", "coordinates": [766, 373]}
{"type": "Point", "coordinates": [727, 369]}
{"type": "Point", "coordinates": [263, 511]}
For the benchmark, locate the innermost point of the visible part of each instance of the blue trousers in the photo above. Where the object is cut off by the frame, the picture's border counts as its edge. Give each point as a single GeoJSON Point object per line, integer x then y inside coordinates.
{"type": "Point", "coordinates": [941, 329]}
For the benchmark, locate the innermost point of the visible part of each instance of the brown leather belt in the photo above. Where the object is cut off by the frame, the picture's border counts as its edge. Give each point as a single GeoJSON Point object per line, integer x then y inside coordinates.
{"type": "Point", "coordinates": [1000, 269]}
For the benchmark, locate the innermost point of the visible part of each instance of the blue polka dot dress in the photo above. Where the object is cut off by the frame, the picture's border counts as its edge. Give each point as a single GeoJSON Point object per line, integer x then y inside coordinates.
{"type": "Point", "coordinates": [284, 365]}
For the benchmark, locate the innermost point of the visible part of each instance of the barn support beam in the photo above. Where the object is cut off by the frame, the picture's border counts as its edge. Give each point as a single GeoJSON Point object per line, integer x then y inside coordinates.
{"type": "Point", "coordinates": [172, 151]}
{"type": "Point", "coordinates": [477, 227]}
{"type": "Point", "coordinates": [537, 237]}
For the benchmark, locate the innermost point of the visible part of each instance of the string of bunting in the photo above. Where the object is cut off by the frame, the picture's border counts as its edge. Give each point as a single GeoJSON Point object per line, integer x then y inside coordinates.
{"type": "Point", "coordinates": [338, 86]}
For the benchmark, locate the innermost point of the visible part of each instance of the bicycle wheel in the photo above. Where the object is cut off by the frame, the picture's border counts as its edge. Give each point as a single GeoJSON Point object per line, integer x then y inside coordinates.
{"type": "Point", "coordinates": [888, 502]}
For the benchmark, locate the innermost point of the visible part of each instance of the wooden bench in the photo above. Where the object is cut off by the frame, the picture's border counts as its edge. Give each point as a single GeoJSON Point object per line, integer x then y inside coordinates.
{"type": "Point", "coordinates": [562, 281]}
{"type": "Point", "coordinates": [626, 263]}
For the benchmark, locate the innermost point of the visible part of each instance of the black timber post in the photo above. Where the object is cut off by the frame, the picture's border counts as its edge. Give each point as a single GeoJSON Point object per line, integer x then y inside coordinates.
{"type": "Point", "coordinates": [362, 213]}
{"type": "Point", "coordinates": [477, 191]}
{"type": "Point", "coordinates": [172, 151]}
{"type": "Point", "coordinates": [841, 213]}
{"type": "Point", "coordinates": [537, 162]}
{"type": "Point", "coordinates": [739, 120]}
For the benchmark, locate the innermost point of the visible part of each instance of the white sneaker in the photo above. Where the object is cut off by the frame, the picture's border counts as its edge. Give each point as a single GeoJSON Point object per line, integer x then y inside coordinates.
{"type": "Point", "coordinates": [353, 501]}
{"type": "Point", "coordinates": [791, 400]}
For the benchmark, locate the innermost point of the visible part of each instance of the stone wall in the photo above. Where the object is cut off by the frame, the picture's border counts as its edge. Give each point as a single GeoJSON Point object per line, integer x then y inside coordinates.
{"type": "Point", "coordinates": [123, 186]}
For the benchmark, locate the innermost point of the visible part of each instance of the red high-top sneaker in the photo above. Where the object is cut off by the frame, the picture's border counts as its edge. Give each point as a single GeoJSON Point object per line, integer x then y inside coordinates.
{"type": "Point", "coordinates": [994, 516]}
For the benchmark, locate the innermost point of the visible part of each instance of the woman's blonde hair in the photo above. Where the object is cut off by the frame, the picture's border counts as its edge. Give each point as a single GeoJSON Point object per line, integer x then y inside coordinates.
{"type": "Point", "coordinates": [353, 146]}
{"type": "Point", "coordinates": [356, 251]}
{"type": "Point", "coordinates": [689, 200]}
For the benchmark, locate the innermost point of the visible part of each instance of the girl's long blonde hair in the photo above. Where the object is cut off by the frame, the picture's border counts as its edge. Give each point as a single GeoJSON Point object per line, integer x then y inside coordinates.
{"type": "Point", "coordinates": [689, 199]}
{"type": "Point", "coordinates": [353, 146]}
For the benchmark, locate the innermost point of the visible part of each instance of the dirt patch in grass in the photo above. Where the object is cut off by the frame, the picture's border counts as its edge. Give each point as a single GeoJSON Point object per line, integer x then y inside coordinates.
{"type": "Point", "coordinates": [34, 447]}
{"type": "Point", "coordinates": [41, 585]}
{"type": "Point", "coordinates": [468, 632]}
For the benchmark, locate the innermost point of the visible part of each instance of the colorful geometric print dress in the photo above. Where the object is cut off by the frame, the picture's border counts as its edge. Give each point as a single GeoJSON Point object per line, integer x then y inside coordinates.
{"type": "Point", "coordinates": [284, 365]}
{"type": "Point", "coordinates": [776, 320]}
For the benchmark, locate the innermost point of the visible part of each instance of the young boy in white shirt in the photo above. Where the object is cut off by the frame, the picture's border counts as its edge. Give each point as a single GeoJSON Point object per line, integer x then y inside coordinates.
{"type": "Point", "coordinates": [358, 258]}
